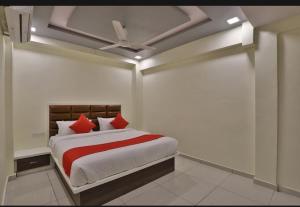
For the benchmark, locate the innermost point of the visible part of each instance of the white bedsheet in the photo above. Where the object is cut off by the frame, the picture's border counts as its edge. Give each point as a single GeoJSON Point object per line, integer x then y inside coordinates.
{"type": "Point", "coordinates": [97, 166]}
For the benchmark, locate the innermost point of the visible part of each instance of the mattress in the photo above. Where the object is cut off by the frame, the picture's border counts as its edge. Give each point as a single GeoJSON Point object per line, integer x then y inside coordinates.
{"type": "Point", "coordinates": [91, 168]}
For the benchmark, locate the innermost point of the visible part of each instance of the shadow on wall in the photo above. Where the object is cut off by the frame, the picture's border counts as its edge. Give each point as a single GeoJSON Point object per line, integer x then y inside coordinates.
{"type": "Point", "coordinates": [72, 54]}
{"type": "Point", "coordinates": [206, 57]}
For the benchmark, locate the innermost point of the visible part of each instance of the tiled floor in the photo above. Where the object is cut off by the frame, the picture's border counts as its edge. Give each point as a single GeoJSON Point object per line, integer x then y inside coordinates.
{"type": "Point", "coordinates": [191, 183]}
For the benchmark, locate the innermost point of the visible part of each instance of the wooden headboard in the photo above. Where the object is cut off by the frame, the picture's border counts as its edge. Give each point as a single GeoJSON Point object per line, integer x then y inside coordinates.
{"type": "Point", "coordinates": [72, 112]}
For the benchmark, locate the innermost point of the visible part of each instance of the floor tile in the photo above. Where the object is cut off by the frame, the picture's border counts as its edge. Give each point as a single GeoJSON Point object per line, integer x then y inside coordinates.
{"type": "Point", "coordinates": [191, 183]}
{"type": "Point", "coordinates": [41, 196]}
{"type": "Point", "coordinates": [224, 197]}
{"type": "Point", "coordinates": [188, 188]}
{"type": "Point", "coordinates": [66, 202]}
{"type": "Point", "coordinates": [153, 196]}
{"type": "Point", "coordinates": [208, 174]}
{"type": "Point", "coordinates": [30, 182]}
{"type": "Point", "coordinates": [167, 177]}
{"type": "Point", "coordinates": [195, 194]}
{"type": "Point", "coordinates": [52, 174]}
{"type": "Point", "coordinates": [245, 187]}
{"type": "Point", "coordinates": [137, 191]}
{"type": "Point", "coordinates": [52, 203]}
{"type": "Point", "coordinates": [179, 202]}
{"type": "Point", "coordinates": [184, 164]}
{"type": "Point", "coordinates": [59, 189]}
{"type": "Point", "coordinates": [31, 189]}
{"type": "Point", "coordinates": [280, 198]}
{"type": "Point", "coordinates": [116, 202]}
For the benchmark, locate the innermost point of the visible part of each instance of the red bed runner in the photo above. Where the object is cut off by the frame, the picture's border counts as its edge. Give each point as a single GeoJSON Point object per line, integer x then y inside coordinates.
{"type": "Point", "coordinates": [72, 154]}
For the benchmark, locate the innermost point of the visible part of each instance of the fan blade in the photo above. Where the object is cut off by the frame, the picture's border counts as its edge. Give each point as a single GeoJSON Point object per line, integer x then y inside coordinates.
{"type": "Point", "coordinates": [110, 46]}
{"type": "Point", "coordinates": [120, 31]}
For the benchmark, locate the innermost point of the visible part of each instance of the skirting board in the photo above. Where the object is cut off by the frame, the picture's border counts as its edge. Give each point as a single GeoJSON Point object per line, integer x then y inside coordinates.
{"type": "Point", "coordinates": [255, 180]}
{"type": "Point", "coordinates": [12, 177]}
{"type": "Point", "coordinates": [217, 166]}
{"type": "Point", "coordinates": [277, 187]}
{"type": "Point", "coordinates": [265, 184]}
{"type": "Point", "coordinates": [8, 178]}
{"type": "Point", "coordinates": [4, 191]}
{"type": "Point", "coordinates": [288, 191]}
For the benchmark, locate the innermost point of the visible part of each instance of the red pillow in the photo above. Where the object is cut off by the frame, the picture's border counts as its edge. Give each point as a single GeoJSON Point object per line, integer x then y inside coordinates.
{"type": "Point", "coordinates": [82, 125]}
{"type": "Point", "coordinates": [119, 122]}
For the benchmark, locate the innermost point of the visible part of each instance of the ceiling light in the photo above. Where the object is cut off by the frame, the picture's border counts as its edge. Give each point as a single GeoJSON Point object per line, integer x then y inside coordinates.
{"type": "Point", "coordinates": [138, 57]}
{"type": "Point", "coordinates": [33, 29]}
{"type": "Point", "coordinates": [233, 20]}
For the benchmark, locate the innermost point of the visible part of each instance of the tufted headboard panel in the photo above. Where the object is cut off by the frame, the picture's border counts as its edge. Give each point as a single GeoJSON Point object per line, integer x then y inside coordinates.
{"type": "Point", "coordinates": [72, 112]}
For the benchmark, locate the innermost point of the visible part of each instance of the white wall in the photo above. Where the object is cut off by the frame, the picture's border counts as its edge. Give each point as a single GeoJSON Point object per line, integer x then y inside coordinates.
{"type": "Point", "coordinates": [201, 46]}
{"type": "Point", "coordinates": [6, 139]}
{"type": "Point", "coordinates": [3, 166]}
{"type": "Point", "coordinates": [206, 103]}
{"type": "Point", "coordinates": [8, 106]}
{"type": "Point", "coordinates": [289, 110]}
{"type": "Point", "coordinates": [42, 76]}
{"type": "Point", "coordinates": [183, 108]}
{"type": "Point", "coordinates": [266, 107]}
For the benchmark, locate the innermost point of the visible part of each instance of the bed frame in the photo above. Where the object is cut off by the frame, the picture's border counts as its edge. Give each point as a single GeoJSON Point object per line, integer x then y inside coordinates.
{"type": "Point", "coordinates": [114, 186]}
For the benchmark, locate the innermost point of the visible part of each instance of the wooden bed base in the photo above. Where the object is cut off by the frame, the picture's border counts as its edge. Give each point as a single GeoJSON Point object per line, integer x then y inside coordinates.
{"type": "Point", "coordinates": [109, 191]}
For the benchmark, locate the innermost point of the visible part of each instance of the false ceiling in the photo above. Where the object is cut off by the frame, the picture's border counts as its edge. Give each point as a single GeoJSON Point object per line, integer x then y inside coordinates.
{"type": "Point", "coordinates": [162, 27]}
{"type": "Point", "coordinates": [261, 15]}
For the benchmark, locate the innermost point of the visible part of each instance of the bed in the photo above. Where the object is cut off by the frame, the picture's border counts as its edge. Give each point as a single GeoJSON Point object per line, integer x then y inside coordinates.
{"type": "Point", "coordinates": [101, 177]}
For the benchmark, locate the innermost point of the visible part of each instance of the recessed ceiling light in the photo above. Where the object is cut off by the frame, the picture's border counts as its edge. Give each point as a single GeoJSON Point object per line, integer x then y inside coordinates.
{"type": "Point", "coordinates": [33, 29]}
{"type": "Point", "coordinates": [233, 20]}
{"type": "Point", "coordinates": [138, 57]}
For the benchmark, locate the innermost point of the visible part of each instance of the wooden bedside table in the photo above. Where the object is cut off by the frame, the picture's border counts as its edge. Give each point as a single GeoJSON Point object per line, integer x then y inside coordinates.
{"type": "Point", "coordinates": [31, 158]}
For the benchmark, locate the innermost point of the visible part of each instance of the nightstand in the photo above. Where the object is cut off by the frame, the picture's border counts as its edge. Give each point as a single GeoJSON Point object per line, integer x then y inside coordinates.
{"type": "Point", "coordinates": [32, 158]}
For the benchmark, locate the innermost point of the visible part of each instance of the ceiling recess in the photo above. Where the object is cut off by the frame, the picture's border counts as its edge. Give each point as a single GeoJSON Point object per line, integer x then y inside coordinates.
{"type": "Point", "coordinates": [61, 15]}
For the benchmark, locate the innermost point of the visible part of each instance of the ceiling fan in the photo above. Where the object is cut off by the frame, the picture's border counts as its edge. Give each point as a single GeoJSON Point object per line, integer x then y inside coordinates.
{"type": "Point", "coordinates": [123, 41]}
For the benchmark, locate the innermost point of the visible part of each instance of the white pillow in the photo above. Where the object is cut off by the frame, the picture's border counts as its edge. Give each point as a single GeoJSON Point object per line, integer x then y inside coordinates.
{"type": "Point", "coordinates": [63, 127]}
{"type": "Point", "coordinates": [104, 123]}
